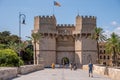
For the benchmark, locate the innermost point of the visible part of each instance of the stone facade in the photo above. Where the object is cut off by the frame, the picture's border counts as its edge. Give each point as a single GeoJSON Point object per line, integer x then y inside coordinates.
{"type": "Point", "coordinates": [65, 41]}
{"type": "Point", "coordinates": [106, 58]}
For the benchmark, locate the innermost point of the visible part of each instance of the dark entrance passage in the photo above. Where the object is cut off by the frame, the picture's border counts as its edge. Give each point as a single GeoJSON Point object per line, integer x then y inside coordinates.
{"type": "Point", "coordinates": [65, 61]}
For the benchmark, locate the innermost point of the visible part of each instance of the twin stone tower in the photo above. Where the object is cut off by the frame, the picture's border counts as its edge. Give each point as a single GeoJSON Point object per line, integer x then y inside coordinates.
{"type": "Point", "coordinates": [65, 43]}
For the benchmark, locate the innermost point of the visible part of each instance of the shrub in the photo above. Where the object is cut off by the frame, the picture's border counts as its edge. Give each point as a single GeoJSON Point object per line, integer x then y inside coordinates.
{"type": "Point", "coordinates": [9, 58]}
{"type": "Point", "coordinates": [3, 46]}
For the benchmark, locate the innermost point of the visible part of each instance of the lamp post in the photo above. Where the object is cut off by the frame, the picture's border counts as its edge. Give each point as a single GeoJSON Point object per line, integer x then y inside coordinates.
{"type": "Point", "coordinates": [23, 22]}
{"type": "Point", "coordinates": [21, 17]}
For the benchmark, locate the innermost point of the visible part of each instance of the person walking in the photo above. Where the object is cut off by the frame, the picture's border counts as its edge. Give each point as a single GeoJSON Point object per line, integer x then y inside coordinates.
{"type": "Point", "coordinates": [75, 66]}
{"type": "Point", "coordinates": [71, 65]}
{"type": "Point", "coordinates": [53, 66]}
{"type": "Point", "coordinates": [90, 66]}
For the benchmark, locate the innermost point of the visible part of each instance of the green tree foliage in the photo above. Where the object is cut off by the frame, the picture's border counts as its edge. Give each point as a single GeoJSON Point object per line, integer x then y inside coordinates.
{"type": "Point", "coordinates": [3, 46]}
{"type": "Point", "coordinates": [13, 42]}
{"type": "Point", "coordinates": [113, 46]}
{"type": "Point", "coordinates": [27, 54]}
{"type": "Point", "coordinates": [35, 38]}
{"type": "Point", "coordinates": [14, 46]}
{"type": "Point", "coordinates": [98, 36]}
{"type": "Point", "coordinates": [9, 58]}
{"type": "Point", "coordinates": [24, 50]}
{"type": "Point", "coordinates": [6, 37]}
{"type": "Point", "coordinates": [14, 38]}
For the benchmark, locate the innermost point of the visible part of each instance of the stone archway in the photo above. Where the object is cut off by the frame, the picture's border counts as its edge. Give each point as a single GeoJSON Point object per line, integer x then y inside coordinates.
{"type": "Point", "coordinates": [65, 61]}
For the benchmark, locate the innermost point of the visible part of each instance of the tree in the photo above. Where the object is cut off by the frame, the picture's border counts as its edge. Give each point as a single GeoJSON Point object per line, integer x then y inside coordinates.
{"type": "Point", "coordinates": [35, 38]}
{"type": "Point", "coordinates": [14, 46]}
{"type": "Point", "coordinates": [27, 56]}
{"type": "Point", "coordinates": [23, 49]}
{"type": "Point", "coordinates": [9, 58]}
{"type": "Point", "coordinates": [98, 36]}
{"type": "Point", "coordinates": [3, 46]}
{"type": "Point", "coordinates": [6, 33]}
{"type": "Point", "coordinates": [14, 38]}
{"type": "Point", "coordinates": [6, 38]}
{"type": "Point", "coordinates": [113, 46]}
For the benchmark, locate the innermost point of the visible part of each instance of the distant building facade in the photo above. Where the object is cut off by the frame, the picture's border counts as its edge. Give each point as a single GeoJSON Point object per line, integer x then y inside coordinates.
{"type": "Point", "coordinates": [106, 58]}
{"type": "Point", "coordinates": [65, 43]}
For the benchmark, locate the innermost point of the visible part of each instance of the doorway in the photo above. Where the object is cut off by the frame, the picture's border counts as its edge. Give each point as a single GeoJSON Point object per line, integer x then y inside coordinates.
{"type": "Point", "coordinates": [65, 61]}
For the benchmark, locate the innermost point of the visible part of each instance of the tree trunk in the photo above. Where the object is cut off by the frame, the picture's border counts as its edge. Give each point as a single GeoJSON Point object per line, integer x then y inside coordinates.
{"type": "Point", "coordinates": [114, 56]}
{"type": "Point", "coordinates": [98, 51]}
{"type": "Point", "coordinates": [35, 58]}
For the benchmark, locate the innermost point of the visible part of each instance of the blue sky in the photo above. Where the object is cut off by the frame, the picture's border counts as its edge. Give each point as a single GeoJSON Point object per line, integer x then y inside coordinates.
{"type": "Point", "coordinates": [106, 11]}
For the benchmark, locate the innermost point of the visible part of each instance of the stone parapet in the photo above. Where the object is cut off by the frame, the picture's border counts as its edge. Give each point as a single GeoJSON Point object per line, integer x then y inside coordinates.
{"type": "Point", "coordinates": [29, 68]}
{"type": "Point", "coordinates": [113, 73]}
{"type": "Point", "coordinates": [7, 73]}
{"type": "Point", "coordinates": [65, 25]}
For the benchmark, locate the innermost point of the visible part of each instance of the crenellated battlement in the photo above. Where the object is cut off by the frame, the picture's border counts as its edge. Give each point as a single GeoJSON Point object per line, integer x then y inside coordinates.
{"type": "Point", "coordinates": [86, 17]}
{"type": "Point", "coordinates": [65, 25]}
{"type": "Point", "coordinates": [46, 17]}
{"type": "Point", "coordinates": [85, 23]}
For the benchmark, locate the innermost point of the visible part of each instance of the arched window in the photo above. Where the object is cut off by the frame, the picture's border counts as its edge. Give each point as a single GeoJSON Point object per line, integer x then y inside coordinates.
{"type": "Point", "coordinates": [104, 51]}
{"type": "Point", "coordinates": [100, 51]}
{"type": "Point", "coordinates": [100, 57]}
{"type": "Point", "coordinates": [104, 57]}
{"type": "Point", "coordinates": [108, 57]}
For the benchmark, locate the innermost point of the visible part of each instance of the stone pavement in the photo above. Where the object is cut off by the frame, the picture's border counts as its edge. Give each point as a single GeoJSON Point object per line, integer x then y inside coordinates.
{"type": "Point", "coordinates": [60, 74]}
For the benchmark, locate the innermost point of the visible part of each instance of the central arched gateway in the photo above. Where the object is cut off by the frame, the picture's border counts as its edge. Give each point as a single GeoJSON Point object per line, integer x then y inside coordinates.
{"type": "Point", "coordinates": [65, 61]}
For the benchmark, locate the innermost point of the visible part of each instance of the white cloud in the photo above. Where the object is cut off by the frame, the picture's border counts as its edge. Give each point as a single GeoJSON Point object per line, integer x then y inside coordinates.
{"type": "Point", "coordinates": [109, 30]}
{"type": "Point", "coordinates": [115, 30]}
{"type": "Point", "coordinates": [114, 23]}
{"type": "Point", "coordinates": [107, 33]}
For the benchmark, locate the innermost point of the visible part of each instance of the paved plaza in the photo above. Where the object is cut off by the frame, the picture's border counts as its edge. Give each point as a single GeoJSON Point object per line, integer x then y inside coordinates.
{"type": "Point", "coordinates": [60, 74]}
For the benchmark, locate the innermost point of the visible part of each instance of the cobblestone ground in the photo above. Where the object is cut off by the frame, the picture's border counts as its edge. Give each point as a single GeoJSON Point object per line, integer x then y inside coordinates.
{"type": "Point", "coordinates": [60, 74]}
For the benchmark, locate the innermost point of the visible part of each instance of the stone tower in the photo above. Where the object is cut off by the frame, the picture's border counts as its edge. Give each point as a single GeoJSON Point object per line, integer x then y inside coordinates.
{"type": "Point", "coordinates": [68, 42]}
{"type": "Point", "coordinates": [46, 49]}
{"type": "Point", "coordinates": [85, 47]}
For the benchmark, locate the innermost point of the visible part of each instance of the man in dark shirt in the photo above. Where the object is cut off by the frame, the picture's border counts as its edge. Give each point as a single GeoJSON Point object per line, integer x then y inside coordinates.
{"type": "Point", "coordinates": [90, 65]}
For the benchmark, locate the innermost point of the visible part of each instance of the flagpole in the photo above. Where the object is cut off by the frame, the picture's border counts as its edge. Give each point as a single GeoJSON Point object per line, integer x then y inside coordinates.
{"type": "Point", "coordinates": [55, 4]}
{"type": "Point", "coordinates": [78, 11]}
{"type": "Point", "coordinates": [53, 9]}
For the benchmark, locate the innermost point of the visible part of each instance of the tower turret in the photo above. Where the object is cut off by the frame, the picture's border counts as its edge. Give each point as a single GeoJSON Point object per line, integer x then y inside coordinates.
{"type": "Point", "coordinates": [85, 47]}
{"type": "Point", "coordinates": [46, 48]}
{"type": "Point", "coordinates": [45, 24]}
{"type": "Point", "coordinates": [85, 24]}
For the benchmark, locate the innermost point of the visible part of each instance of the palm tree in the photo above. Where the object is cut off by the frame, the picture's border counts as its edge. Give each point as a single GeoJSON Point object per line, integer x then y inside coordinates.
{"type": "Point", "coordinates": [98, 36]}
{"type": "Point", "coordinates": [14, 46]}
{"type": "Point", "coordinates": [35, 38]}
{"type": "Point", "coordinates": [18, 48]}
{"type": "Point", "coordinates": [113, 46]}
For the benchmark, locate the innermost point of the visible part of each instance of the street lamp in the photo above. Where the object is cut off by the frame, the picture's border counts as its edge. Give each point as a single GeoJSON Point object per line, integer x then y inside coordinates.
{"type": "Point", "coordinates": [23, 22]}
{"type": "Point", "coordinates": [21, 17]}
